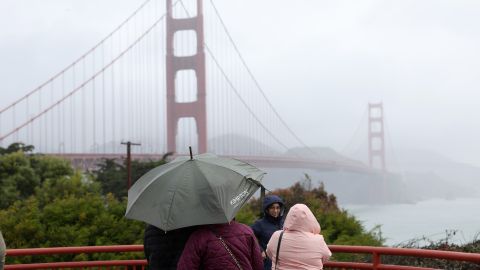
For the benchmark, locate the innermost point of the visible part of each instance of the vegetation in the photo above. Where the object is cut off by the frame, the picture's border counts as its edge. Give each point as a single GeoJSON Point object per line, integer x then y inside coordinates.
{"type": "Point", "coordinates": [112, 175]}
{"type": "Point", "coordinates": [442, 244]}
{"type": "Point", "coordinates": [15, 147]}
{"type": "Point", "coordinates": [21, 173]}
{"type": "Point", "coordinates": [44, 202]}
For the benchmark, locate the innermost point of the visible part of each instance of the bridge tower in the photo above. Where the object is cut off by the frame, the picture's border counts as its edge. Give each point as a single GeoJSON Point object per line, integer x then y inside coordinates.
{"type": "Point", "coordinates": [194, 109]}
{"type": "Point", "coordinates": [376, 138]}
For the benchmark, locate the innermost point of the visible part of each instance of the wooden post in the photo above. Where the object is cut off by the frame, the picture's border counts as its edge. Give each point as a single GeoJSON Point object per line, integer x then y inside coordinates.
{"type": "Point", "coordinates": [129, 163]}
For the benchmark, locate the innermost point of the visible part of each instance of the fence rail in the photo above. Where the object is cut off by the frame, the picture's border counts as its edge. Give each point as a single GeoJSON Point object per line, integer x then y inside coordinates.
{"type": "Point", "coordinates": [111, 264]}
{"type": "Point", "coordinates": [375, 252]}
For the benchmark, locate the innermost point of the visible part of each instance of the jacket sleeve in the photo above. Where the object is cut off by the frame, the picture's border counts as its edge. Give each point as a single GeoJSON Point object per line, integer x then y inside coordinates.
{"type": "Point", "coordinates": [146, 246]}
{"type": "Point", "coordinates": [192, 254]}
{"type": "Point", "coordinates": [256, 228]}
{"type": "Point", "coordinates": [272, 245]}
{"type": "Point", "coordinates": [324, 250]}
{"type": "Point", "coordinates": [257, 259]}
{"type": "Point", "coordinates": [257, 231]}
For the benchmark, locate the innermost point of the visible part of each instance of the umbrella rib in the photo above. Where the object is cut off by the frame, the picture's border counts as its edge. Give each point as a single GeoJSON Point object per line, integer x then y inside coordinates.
{"type": "Point", "coordinates": [238, 173]}
{"type": "Point", "coordinates": [211, 189]}
{"type": "Point", "coordinates": [230, 168]}
{"type": "Point", "coordinates": [173, 166]}
{"type": "Point", "coordinates": [171, 205]}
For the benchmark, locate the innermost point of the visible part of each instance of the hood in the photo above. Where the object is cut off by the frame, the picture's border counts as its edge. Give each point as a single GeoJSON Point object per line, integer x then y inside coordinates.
{"type": "Point", "coordinates": [270, 199]}
{"type": "Point", "coordinates": [300, 218]}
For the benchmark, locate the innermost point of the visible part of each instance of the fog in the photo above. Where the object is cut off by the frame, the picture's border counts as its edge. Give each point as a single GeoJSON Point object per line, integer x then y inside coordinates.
{"type": "Point", "coordinates": [319, 62]}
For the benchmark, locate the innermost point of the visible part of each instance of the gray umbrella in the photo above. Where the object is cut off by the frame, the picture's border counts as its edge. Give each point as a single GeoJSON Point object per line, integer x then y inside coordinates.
{"type": "Point", "coordinates": [185, 192]}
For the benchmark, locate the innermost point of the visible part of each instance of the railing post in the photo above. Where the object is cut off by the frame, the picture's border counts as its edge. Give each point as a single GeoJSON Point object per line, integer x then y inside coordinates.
{"type": "Point", "coordinates": [375, 260]}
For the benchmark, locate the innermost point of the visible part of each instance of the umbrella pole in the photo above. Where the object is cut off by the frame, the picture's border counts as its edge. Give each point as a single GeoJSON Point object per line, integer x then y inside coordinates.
{"type": "Point", "coordinates": [262, 196]}
{"type": "Point", "coordinates": [191, 156]}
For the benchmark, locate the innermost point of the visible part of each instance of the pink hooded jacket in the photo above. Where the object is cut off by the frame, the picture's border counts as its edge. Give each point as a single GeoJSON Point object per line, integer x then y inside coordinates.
{"type": "Point", "coordinates": [302, 246]}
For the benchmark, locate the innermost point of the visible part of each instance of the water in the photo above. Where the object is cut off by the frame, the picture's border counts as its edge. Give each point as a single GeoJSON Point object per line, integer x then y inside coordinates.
{"type": "Point", "coordinates": [431, 218]}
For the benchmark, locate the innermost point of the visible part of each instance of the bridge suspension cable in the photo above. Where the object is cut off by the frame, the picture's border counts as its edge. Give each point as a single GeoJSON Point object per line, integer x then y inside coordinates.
{"type": "Point", "coordinates": [247, 105]}
{"type": "Point", "coordinates": [84, 83]}
{"type": "Point", "coordinates": [393, 158]}
{"type": "Point", "coordinates": [81, 86]}
{"type": "Point", "coordinates": [243, 101]}
{"type": "Point", "coordinates": [361, 129]}
{"type": "Point", "coordinates": [242, 59]}
{"type": "Point", "coordinates": [54, 77]}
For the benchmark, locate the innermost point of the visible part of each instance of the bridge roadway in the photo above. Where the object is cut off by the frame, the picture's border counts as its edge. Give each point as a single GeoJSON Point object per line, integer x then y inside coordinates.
{"type": "Point", "coordinates": [90, 160]}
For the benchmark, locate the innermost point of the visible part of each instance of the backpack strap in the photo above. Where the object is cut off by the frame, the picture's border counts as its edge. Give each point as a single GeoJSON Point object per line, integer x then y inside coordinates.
{"type": "Point", "coordinates": [278, 249]}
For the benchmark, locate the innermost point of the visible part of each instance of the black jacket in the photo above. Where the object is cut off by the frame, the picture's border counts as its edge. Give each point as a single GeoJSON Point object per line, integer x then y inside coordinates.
{"type": "Point", "coordinates": [266, 226]}
{"type": "Point", "coordinates": [163, 250]}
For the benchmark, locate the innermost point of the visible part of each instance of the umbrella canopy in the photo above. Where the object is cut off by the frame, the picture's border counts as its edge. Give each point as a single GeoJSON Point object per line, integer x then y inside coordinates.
{"type": "Point", "coordinates": [186, 192]}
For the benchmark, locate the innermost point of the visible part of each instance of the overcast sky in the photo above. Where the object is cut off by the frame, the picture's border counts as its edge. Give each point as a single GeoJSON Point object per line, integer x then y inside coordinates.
{"type": "Point", "coordinates": [319, 62]}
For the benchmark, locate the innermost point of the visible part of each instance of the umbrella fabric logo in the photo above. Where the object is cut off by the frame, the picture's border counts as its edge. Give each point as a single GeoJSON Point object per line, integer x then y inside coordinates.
{"type": "Point", "coordinates": [239, 197]}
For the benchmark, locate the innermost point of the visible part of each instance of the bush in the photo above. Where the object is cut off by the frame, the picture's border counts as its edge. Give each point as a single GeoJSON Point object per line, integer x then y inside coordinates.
{"type": "Point", "coordinates": [442, 244]}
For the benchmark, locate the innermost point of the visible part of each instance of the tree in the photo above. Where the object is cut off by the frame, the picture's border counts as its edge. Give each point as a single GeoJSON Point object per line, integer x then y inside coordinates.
{"type": "Point", "coordinates": [21, 173]}
{"type": "Point", "coordinates": [16, 147]}
{"type": "Point", "coordinates": [17, 178]}
{"type": "Point", "coordinates": [49, 167]}
{"type": "Point", "coordinates": [112, 176]}
{"type": "Point", "coordinates": [69, 211]}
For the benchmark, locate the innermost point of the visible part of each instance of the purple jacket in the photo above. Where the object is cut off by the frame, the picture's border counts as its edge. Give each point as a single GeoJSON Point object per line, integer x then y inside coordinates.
{"type": "Point", "coordinates": [205, 251]}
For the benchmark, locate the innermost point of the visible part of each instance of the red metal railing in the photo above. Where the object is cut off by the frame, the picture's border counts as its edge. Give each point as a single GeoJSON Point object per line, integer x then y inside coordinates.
{"type": "Point", "coordinates": [111, 264]}
{"type": "Point", "coordinates": [375, 252]}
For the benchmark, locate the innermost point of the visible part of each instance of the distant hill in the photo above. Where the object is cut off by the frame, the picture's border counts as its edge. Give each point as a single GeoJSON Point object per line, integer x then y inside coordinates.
{"type": "Point", "coordinates": [320, 153]}
{"type": "Point", "coordinates": [424, 166]}
{"type": "Point", "coordinates": [427, 174]}
{"type": "Point", "coordinates": [239, 145]}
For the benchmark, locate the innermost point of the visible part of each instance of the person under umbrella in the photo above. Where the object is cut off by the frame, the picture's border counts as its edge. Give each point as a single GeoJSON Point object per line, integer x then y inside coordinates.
{"type": "Point", "coordinates": [222, 247]}
{"type": "Point", "coordinates": [163, 250]}
{"type": "Point", "coordinates": [272, 220]}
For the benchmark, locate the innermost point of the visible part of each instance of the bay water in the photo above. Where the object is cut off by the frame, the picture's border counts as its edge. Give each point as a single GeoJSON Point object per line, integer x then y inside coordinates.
{"type": "Point", "coordinates": [430, 219]}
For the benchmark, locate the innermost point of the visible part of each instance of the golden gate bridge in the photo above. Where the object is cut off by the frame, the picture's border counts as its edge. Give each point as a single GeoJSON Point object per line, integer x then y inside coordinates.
{"type": "Point", "coordinates": [168, 78]}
